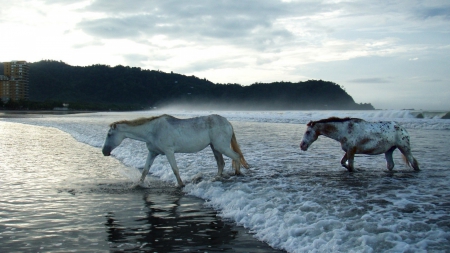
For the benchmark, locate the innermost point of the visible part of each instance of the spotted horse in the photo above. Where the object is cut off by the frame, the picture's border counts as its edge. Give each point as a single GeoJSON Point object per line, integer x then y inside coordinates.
{"type": "Point", "coordinates": [358, 136]}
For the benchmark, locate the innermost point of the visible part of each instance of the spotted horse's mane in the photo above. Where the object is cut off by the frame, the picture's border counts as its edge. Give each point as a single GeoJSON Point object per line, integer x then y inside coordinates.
{"type": "Point", "coordinates": [333, 120]}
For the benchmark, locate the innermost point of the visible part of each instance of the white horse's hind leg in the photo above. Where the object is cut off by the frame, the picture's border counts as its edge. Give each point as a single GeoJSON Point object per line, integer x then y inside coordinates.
{"type": "Point", "coordinates": [173, 164]}
{"type": "Point", "coordinates": [150, 158]}
{"type": "Point", "coordinates": [219, 159]}
{"type": "Point", "coordinates": [237, 167]}
{"type": "Point", "coordinates": [236, 159]}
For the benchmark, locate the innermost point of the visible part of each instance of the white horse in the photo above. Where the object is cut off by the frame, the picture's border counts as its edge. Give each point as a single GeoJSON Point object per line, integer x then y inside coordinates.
{"type": "Point", "coordinates": [361, 137]}
{"type": "Point", "coordinates": [167, 135]}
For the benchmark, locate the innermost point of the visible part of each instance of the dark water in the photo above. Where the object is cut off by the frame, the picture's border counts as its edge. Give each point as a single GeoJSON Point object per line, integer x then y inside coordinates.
{"type": "Point", "coordinates": [59, 195]}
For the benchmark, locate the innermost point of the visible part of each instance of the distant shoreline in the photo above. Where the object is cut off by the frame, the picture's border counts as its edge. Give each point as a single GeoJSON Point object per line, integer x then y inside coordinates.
{"type": "Point", "coordinates": [34, 113]}
{"type": "Point", "coordinates": [419, 114]}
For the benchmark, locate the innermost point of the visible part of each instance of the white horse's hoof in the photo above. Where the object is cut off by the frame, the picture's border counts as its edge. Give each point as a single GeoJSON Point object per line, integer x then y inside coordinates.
{"type": "Point", "coordinates": [134, 186]}
{"type": "Point", "coordinates": [197, 178]}
{"type": "Point", "coordinates": [218, 178]}
{"type": "Point", "coordinates": [142, 184]}
{"type": "Point", "coordinates": [221, 178]}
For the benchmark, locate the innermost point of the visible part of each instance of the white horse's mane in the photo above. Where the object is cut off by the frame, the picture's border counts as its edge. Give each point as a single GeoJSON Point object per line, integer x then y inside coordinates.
{"type": "Point", "coordinates": [137, 122]}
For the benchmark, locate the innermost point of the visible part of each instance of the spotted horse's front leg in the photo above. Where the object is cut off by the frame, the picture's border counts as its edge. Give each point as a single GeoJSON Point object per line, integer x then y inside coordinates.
{"type": "Point", "coordinates": [348, 156]}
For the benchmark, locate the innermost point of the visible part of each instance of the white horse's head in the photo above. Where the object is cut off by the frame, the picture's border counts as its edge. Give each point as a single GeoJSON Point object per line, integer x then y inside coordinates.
{"type": "Point", "coordinates": [113, 139]}
{"type": "Point", "coordinates": [309, 137]}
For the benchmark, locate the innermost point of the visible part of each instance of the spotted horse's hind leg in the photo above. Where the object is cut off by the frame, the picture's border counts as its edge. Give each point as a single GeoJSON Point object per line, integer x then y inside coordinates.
{"type": "Point", "coordinates": [409, 158]}
{"type": "Point", "coordinates": [389, 160]}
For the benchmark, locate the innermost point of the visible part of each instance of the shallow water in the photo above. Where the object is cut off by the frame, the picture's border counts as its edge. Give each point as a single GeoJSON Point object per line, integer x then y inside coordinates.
{"type": "Point", "coordinates": [304, 201]}
{"type": "Point", "coordinates": [57, 194]}
{"type": "Point", "coordinates": [320, 206]}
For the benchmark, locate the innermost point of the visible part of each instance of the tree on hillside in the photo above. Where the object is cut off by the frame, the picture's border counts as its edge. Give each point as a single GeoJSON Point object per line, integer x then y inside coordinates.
{"type": "Point", "coordinates": [123, 85]}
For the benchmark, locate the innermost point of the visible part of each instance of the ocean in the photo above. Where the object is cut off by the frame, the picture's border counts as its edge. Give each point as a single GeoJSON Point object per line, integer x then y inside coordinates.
{"type": "Point", "coordinates": [290, 200]}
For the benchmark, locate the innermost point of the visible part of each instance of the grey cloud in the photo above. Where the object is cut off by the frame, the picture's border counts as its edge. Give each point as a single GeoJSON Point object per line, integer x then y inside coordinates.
{"type": "Point", "coordinates": [266, 60]}
{"type": "Point", "coordinates": [114, 27]}
{"type": "Point", "coordinates": [431, 12]}
{"type": "Point", "coordinates": [172, 8]}
{"type": "Point", "coordinates": [87, 44]}
{"type": "Point", "coordinates": [199, 66]}
{"type": "Point", "coordinates": [135, 59]}
{"type": "Point", "coordinates": [369, 80]}
{"type": "Point", "coordinates": [237, 22]}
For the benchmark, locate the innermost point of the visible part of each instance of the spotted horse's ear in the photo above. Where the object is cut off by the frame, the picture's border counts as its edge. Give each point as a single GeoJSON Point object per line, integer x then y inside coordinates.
{"type": "Point", "coordinates": [112, 126]}
{"type": "Point", "coordinates": [310, 124]}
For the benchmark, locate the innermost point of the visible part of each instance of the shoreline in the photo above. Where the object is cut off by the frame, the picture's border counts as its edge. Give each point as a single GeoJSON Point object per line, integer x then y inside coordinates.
{"type": "Point", "coordinates": [35, 113]}
{"type": "Point", "coordinates": [418, 114]}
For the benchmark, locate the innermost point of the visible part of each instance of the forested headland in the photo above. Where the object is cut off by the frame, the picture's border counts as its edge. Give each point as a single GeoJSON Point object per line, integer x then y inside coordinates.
{"type": "Point", "coordinates": [102, 87]}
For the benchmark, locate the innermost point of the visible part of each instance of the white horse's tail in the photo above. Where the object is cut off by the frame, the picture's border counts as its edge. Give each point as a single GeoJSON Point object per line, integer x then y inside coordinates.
{"type": "Point", "coordinates": [237, 149]}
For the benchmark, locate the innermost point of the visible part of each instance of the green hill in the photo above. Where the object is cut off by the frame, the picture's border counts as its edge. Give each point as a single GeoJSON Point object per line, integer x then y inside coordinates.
{"type": "Point", "coordinates": [105, 87]}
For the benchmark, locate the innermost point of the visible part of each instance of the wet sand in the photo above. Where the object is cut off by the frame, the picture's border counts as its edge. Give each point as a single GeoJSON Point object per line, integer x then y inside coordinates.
{"type": "Point", "coordinates": [58, 194]}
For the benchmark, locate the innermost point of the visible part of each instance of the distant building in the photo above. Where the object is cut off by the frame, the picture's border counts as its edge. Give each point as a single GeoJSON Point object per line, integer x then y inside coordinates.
{"type": "Point", "coordinates": [14, 81]}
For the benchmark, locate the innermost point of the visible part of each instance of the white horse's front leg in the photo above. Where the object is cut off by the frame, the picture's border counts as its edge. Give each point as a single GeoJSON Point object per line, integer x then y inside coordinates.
{"type": "Point", "coordinates": [150, 158]}
{"type": "Point", "coordinates": [220, 162]}
{"type": "Point", "coordinates": [173, 164]}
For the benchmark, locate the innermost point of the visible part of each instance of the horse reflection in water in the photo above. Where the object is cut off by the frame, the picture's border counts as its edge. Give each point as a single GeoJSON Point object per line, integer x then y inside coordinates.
{"type": "Point", "coordinates": [167, 135]}
{"type": "Point", "coordinates": [361, 137]}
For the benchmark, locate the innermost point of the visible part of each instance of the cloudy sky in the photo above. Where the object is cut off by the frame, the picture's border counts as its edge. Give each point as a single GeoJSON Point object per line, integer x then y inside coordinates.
{"type": "Point", "coordinates": [393, 54]}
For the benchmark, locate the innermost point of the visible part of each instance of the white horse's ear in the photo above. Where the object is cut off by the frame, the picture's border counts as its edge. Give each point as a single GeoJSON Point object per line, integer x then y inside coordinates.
{"type": "Point", "coordinates": [113, 126]}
